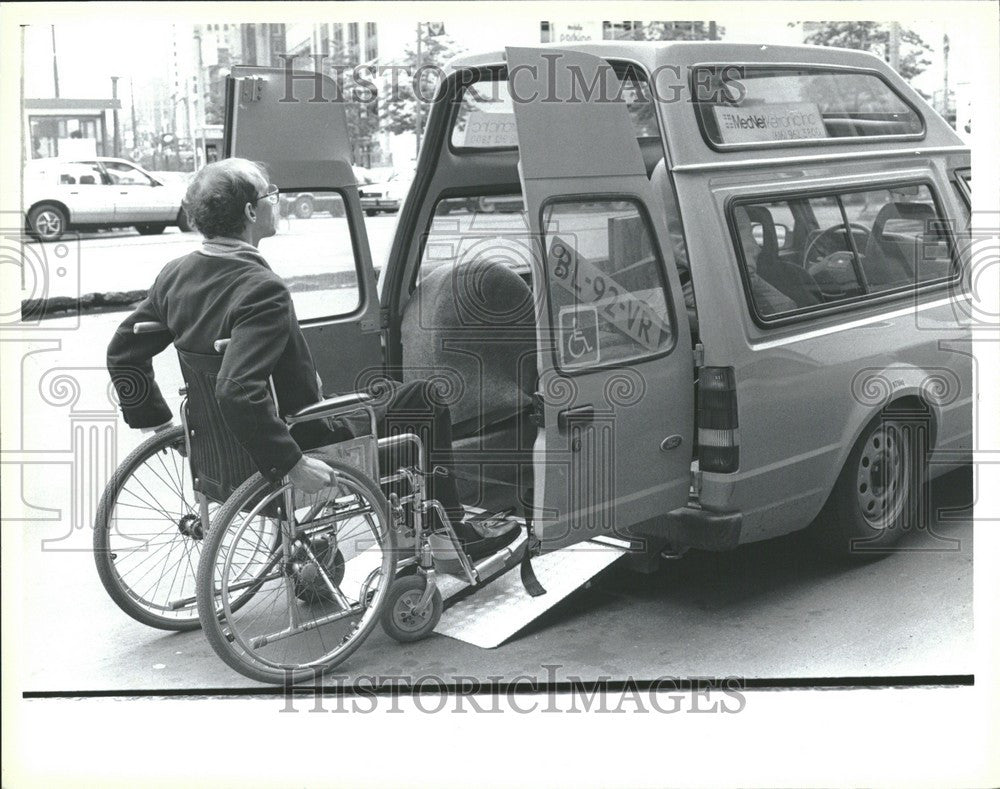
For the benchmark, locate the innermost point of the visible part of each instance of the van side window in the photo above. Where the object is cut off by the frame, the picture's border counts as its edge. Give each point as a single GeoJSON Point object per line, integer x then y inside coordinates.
{"type": "Point", "coordinates": [802, 254]}
{"type": "Point", "coordinates": [605, 283]}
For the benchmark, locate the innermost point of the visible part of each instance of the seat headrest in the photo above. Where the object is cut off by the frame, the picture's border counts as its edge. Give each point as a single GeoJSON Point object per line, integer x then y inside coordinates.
{"type": "Point", "coordinates": [480, 293]}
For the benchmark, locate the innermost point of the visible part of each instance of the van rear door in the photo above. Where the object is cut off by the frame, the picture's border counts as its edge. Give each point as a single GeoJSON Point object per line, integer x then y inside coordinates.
{"type": "Point", "coordinates": [615, 359]}
{"type": "Point", "coordinates": [298, 129]}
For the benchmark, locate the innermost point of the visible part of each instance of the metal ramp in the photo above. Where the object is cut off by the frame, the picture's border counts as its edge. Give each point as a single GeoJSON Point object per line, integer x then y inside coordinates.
{"type": "Point", "coordinates": [494, 613]}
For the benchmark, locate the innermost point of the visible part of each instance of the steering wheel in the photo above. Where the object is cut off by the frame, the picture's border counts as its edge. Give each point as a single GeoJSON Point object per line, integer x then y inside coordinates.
{"type": "Point", "coordinates": [823, 242]}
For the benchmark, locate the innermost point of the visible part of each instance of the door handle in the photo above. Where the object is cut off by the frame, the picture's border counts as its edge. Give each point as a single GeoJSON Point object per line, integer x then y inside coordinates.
{"type": "Point", "coordinates": [578, 415]}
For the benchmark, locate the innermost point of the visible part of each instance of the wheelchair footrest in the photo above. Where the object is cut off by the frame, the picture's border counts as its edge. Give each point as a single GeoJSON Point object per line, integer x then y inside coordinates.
{"type": "Point", "coordinates": [492, 614]}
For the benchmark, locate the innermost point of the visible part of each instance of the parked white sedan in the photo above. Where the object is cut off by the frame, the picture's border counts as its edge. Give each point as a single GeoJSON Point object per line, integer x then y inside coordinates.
{"type": "Point", "coordinates": [61, 194]}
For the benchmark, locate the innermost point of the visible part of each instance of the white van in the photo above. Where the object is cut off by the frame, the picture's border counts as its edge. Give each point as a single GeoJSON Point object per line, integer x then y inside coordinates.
{"type": "Point", "coordinates": [731, 305]}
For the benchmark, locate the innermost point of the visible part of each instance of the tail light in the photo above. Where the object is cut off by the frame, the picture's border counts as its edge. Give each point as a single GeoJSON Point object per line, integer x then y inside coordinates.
{"type": "Point", "coordinates": [718, 420]}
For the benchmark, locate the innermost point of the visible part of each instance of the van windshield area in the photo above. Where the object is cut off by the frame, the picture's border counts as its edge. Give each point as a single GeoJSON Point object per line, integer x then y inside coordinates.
{"type": "Point", "coordinates": [739, 106]}
{"type": "Point", "coordinates": [485, 118]}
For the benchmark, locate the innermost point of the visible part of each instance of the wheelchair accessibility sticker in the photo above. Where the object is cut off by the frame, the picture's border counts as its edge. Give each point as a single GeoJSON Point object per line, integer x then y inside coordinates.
{"type": "Point", "coordinates": [579, 343]}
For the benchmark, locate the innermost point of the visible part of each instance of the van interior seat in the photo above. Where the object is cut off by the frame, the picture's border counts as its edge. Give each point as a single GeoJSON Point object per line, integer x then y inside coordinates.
{"type": "Point", "coordinates": [890, 262]}
{"type": "Point", "coordinates": [791, 279]}
{"type": "Point", "coordinates": [472, 325]}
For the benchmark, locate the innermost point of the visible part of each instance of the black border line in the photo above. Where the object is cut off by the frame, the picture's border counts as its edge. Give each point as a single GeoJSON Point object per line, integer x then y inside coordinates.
{"type": "Point", "coordinates": [667, 684]}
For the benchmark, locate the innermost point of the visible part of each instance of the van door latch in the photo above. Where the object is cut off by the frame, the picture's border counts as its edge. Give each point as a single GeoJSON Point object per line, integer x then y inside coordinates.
{"type": "Point", "coordinates": [251, 89]}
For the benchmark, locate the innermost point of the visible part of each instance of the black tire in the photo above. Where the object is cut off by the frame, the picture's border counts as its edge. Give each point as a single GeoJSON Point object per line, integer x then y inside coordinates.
{"type": "Point", "coordinates": [400, 621]}
{"type": "Point", "coordinates": [371, 212]}
{"type": "Point", "coordinates": [140, 489]}
{"type": "Point", "coordinates": [47, 222]}
{"type": "Point", "coordinates": [272, 590]}
{"type": "Point", "coordinates": [878, 495]}
{"type": "Point", "coordinates": [182, 222]}
{"type": "Point", "coordinates": [303, 207]}
{"type": "Point", "coordinates": [151, 229]}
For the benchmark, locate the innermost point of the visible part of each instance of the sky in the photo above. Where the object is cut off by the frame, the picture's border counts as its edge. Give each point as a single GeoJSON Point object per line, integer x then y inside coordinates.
{"type": "Point", "coordinates": [90, 53]}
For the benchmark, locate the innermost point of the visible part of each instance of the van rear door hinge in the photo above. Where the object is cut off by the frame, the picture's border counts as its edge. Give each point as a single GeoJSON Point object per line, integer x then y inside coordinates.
{"type": "Point", "coordinates": [384, 317]}
{"type": "Point", "coordinates": [251, 89]}
{"type": "Point", "coordinates": [699, 355]}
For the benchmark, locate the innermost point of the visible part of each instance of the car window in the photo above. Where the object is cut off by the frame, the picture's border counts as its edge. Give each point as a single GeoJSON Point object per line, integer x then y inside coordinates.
{"type": "Point", "coordinates": [840, 247]}
{"type": "Point", "coordinates": [606, 290]}
{"type": "Point", "coordinates": [467, 229]}
{"type": "Point", "coordinates": [82, 174]}
{"type": "Point", "coordinates": [125, 175]}
{"type": "Point", "coordinates": [745, 105]}
{"type": "Point", "coordinates": [313, 252]}
{"type": "Point", "coordinates": [485, 117]}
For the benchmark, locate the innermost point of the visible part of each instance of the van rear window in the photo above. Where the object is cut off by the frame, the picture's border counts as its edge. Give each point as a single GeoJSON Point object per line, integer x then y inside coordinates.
{"type": "Point", "coordinates": [750, 106]}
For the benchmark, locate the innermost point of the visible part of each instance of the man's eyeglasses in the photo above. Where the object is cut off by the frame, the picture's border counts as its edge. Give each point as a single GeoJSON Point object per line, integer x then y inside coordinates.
{"type": "Point", "coordinates": [271, 195]}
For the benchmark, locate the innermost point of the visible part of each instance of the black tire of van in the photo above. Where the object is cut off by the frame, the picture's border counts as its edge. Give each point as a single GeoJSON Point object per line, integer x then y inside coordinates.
{"type": "Point", "coordinates": [151, 228]}
{"type": "Point", "coordinates": [182, 221]}
{"type": "Point", "coordinates": [878, 496]}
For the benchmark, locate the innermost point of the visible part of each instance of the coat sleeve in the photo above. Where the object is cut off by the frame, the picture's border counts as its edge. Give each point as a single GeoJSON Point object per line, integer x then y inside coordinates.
{"type": "Point", "coordinates": [261, 330]}
{"type": "Point", "coordinates": [130, 363]}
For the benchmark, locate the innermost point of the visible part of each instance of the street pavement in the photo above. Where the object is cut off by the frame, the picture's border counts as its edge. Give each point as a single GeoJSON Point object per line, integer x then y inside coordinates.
{"type": "Point", "coordinates": [765, 610]}
{"type": "Point", "coordinates": [122, 260]}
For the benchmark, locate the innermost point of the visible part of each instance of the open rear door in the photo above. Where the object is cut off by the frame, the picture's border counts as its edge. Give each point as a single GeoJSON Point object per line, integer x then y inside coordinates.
{"type": "Point", "coordinates": [615, 363]}
{"type": "Point", "coordinates": [298, 129]}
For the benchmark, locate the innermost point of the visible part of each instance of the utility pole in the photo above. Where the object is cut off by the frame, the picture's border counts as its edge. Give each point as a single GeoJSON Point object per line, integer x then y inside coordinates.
{"type": "Point", "coordinates": [712, 34]}
{"type": "Point", "coordinates": [946, 47]}
{"type": "Point", "coordinates": [55, 64]}
{"type": "Point", "coordinates": [114, 96]}
{"type": "Point", "coordinates": [418, 121]}
{"type": "Point", "coordinates": [894, 45]}
{"type": "Point", "coordinates": [131, 101]}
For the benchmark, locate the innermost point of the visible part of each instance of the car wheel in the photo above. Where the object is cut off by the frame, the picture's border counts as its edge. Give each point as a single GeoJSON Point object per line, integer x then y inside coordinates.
{"type": "Point", "coordinates": [371, 212]}
{"type": "Point", "coordinates": [303, 208]}
{"type": "Point", "coordinates": [47, 222]}
{"type": "Point", "coordinates": [182, 221]}
{"type": "Point", "coordinates": [877, 496]}
{"type": "Point", "coordinates": [151, 229]}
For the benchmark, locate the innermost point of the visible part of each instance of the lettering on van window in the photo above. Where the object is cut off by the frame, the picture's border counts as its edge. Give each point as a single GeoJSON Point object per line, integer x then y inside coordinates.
{"type": "Point", "coordinates": [490, 130]}
{"type": "Point", "coordinates": [613, 303]}
{"type": "Point", "coordinates": [799, 120]}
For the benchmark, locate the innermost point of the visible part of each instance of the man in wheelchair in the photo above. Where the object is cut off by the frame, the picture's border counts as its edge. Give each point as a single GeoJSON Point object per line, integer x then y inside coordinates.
{"type": "Point", "coordinates": [225, 289]}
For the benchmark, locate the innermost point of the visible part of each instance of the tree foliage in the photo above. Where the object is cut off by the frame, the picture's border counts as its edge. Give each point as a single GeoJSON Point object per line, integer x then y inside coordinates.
{"type": "Point", "coordinates": [675, 31]}
{"type": "Point", "coordinates": [399, 106]}
{"type": "Point", "coordinates": [874, 37]}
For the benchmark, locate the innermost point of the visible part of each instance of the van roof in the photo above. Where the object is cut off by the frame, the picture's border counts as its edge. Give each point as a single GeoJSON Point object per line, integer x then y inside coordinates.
{"type": "Point", "coordinates": [686, 149]}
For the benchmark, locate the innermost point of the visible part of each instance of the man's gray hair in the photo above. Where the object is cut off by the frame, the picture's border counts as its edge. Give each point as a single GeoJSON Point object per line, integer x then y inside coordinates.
{"type": "Point", "coordinates": [217, 194]}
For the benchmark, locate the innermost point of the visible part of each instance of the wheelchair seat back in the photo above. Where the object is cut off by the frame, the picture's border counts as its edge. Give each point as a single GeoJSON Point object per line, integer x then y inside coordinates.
{"type": "Point", "coordinates": [219, 464]}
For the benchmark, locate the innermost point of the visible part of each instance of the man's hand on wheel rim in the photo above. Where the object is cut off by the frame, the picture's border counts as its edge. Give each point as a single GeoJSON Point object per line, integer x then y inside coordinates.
{"type": "Point", "coordinates": [310, 475]}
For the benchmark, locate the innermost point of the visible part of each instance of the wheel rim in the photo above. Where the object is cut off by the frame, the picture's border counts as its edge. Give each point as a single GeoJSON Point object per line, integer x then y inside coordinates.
{"type": "Point", "coordinates": [883, 478]}
{"type": "Point", "coordinates": [48, 224]}
{"type": "Point", "coordinates": [407, 616]}
{"type": "Point", "coordinates": [259, 634]}
{"type": "Point", "coordinates": [154, 536]}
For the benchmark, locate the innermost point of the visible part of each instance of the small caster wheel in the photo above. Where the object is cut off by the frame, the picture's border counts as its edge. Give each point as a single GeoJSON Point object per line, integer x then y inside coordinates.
{"type": "Point", "coordinates": [400, 619]}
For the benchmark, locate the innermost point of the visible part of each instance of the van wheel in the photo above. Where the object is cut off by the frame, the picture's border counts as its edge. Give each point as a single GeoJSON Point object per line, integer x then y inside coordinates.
{"type": "Point", "coordinates": [182, 221]}
{"type": "Point", "coordinates": [47, 222]}
{"type": "Point", "coordinates": [878, 493]}
{"type": "Point", "coordinates": [151, 229]}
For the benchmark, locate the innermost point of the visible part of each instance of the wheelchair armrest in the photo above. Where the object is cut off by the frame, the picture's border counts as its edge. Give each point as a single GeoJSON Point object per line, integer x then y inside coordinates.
{"type": "Point", "coordinates": [148, 327]}
{"type": "Point", "coordinates": [332, 406]}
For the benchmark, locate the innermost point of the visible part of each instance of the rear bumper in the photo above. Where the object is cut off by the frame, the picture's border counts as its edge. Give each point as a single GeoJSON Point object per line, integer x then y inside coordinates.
{"type": "Point", "coordinates": [692, 527]}
{"type": "Point", "coordinates": [379, 204]}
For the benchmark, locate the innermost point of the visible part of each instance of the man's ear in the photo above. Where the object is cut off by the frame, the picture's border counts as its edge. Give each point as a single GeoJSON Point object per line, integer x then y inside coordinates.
{"type": "Point", "coordinates": [249, 212]}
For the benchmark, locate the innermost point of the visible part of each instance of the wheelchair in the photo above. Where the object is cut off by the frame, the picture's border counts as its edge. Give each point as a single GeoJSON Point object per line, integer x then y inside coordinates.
{"type": "Point", "coordinates": [286, 585]}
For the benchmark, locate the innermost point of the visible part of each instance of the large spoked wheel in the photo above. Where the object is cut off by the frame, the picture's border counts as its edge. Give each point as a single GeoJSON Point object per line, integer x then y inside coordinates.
{"type": "Point", "coordinates": [148, 535]}
{"type": "Point", "coordinates": [288, 609]}
{"type": "Point", "coordinates": [877, 496]}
